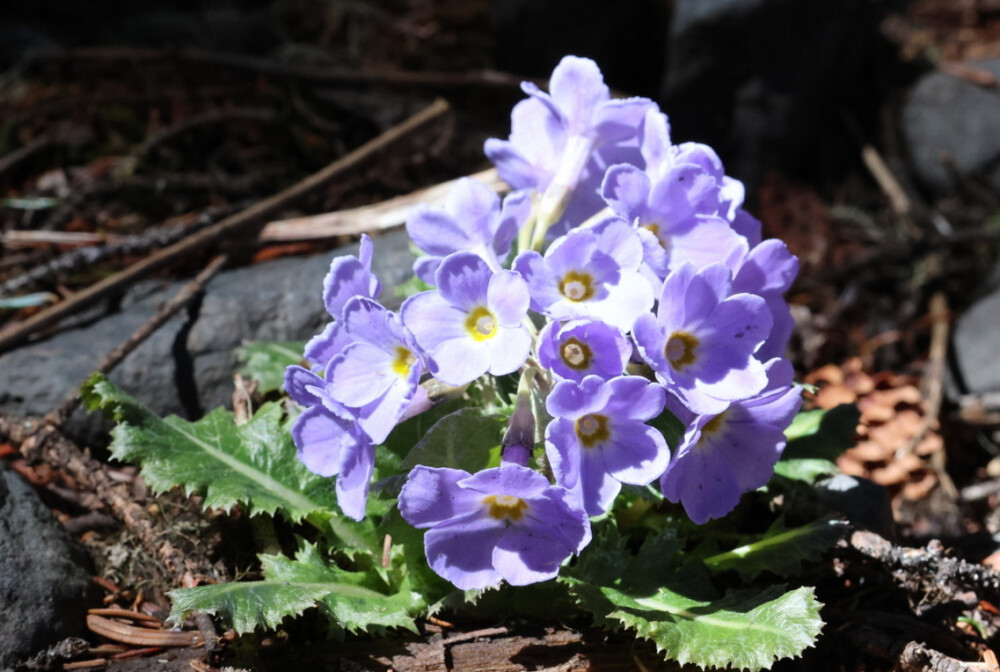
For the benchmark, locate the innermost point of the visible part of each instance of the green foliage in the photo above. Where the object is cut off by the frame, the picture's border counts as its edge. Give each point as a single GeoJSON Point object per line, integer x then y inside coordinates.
{"type": "Point", "coordinates": [780, 550]}
{"type": "Point", "coordinates": [353, 600]}
{"type": "Point", "coordinates": [412, 285]}
{"type": "Point", "coordinates": [266, 361]}
{"type": "Point", "coordinates": [466, 439]}
{"type": "Point", "coordinates": [822, 434]}
{"type": "Point", "coordinates": [748, 629]}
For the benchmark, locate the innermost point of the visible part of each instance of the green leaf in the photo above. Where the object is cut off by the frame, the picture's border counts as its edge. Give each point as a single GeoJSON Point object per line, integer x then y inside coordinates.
{"type": "Point", "coordinates": [28, 300]}
{"type": "Point", "coordinates": [822, 434]}
{"type": "Point", "coordinates": [252, 464]}
{"type": "Point", "coordinates": [780, 550]}
{"type": "Point", "coordinates": [807, 469]}
{"type": "Point", "coordinates": [465, 439]}
{"type": "Point", "coordinates": [413, 285]}
{"type": "Point", "coordinates": [266, 361]}
{"type": "Point", "coordinates": [353, 600]}
{"type": "Point", "coordinates": [744, 629]}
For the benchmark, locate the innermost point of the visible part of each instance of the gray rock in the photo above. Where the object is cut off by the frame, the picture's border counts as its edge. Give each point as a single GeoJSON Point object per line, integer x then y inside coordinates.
{"type": "Point", "coordinates": [187, 366]}
{"type": "Point", "coordinates": [45, 586]}
{"type": "Point", "coordinates": [947, 116]}
{"type": "Point", "coordinates": [976, 364]}
{"type": "Point", "coordinates": [864, 503]}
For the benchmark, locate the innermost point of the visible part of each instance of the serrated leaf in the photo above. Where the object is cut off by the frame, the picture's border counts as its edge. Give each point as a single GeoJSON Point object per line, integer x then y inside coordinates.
{"type": "Point", "coordinates": [465, 439]}
{"type": "Point", "coordinates": [353, 600]}
{"type": "Point", "coordinates": [780, 550]}
{"type": "Point", "coordinates": [252, 464]}
{"type": "Point", "coordinates": [821, 434]}
{"type": "Point", "coordinates": [266, 361]}
{"type": "Point", "coordinates": [746, 629]}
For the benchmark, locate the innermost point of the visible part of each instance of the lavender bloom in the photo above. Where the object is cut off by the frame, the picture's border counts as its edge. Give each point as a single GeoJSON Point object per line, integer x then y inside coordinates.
{"type": "Point", "coordinates": [562, 142]}
{"type": "Point", "coordinates": [473, 323]}
{"type": "Point", "coordinates": [472, 220]}
{"type": "Point", "coordinates": [599, 439]}
{"type": "Point", "coordinates": [377, 374]}
{"type": "Point", "coordinates": [590, 273]}
{"type": "Point", "coordinates": [329, 440]}
{"type": "Point", "coordinates": [506, 523]}
{"type": "Point", "coordinates": [724, 455]}
{"type": "Point", "coordinates": [348, 277]}
{"type": "Point", "coordinates": [580, 348]}
{"type": "Point", "coordinates": [769, 271]}
{"type": "Point", "coordinates": [702, 340]}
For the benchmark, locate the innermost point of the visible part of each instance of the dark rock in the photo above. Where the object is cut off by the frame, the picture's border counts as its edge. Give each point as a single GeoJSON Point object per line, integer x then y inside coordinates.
{"type": "Point", "coordinates": [976, 367]}
{"type": "Point", "coordinates": [950, 120]}
{"type": "Point", "coordinates": [864, 503]}
{"type": "Point", "coordinates": [767, 82]}
{"type": "Point", "coordinates": [45, 586]}
{"type": "Point", "coordinates": [187, 366]}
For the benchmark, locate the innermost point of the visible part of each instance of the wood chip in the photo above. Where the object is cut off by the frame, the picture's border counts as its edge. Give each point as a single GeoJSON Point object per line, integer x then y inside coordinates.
{"type": "Point", "coordinates": [137, 636]}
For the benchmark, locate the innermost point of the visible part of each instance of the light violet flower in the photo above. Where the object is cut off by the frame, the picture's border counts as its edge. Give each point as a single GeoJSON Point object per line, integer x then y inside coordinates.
{"type": "Point", "coordinates": [590, 273]}
{"type": "Point", "coordinates": [724, 455]}
{"type": "Point", "coordinates": [769, 271]}
{"type": "Point", "coordinates": [472, 220]}
{"type": "Point", "coordinates": [701, 342]}
{"type": "Point", "coordinates": [580, 348]}
{"type": "Point", "coordinates": [507, 523]}
{"type": "Point", "coordinates": [473, 322]}
{"type": "Point", "coordinates": [599, 439]}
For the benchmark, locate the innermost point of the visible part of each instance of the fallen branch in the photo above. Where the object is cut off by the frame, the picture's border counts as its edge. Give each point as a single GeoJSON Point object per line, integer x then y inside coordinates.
{"type": "Point", "coordinates": [382, 216]}
{"type": "Point", "coordinates": [245, 223]}
{"type": "Point", "coordinates": [113, 358]}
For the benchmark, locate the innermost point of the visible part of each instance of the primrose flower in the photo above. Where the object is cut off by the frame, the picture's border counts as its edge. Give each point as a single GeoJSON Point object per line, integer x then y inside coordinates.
{"type": "Point", "coordinates": [378, 372]}
{"type": "Point", "coordinates": [726, 454]}
{"type": "Point", "coordinates": [590, 273]}
{"type": "Point", "coordinates": [562, 141]}
{"type": "Point", "coordinates": [702, 340]}
{"type": "Point", "coordinates": [472, 220]}
{"type": "Point", "coordinates": [473, 322]}
{"type": "Point", "coordinates": [769, 271]}
{"type": "Point", "coordinates": [507, 523]}
{"type": "Point", "coordinates": [599, 439]}
{"type": "Point", "coordinates": [580, 348]}
{"type": "Point", "coordinates": [348, 277]}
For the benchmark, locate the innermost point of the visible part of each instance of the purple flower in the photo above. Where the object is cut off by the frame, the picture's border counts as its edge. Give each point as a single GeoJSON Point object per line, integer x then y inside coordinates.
{"type": "Point", "coordinates": [599, 439]}
{"type": "Point", "coordinates": [580, 348]}
{"type": "Point", "coordinates": [348, 277]}
{"type": "Point", "coordinates": [702, 340]}
{"type": "Point", "coordinates": [561, 142]}
{"type": "Point", "coordinates": [506, 523]}
{"type": "Point", "coordinates": [724, 455]}
{"type": "Point", "coordinates": [473, 322]}
{"type": "Point", "coordinates": [590, 273]}
{"type": "Point", "coordinates": [331, 443]}
{"type": "Point", "coordinates": [378, 372]}
{"type": "Point", "coordinates": [769, 271]}
{"type": "Point", "coordinates": [472, 220]}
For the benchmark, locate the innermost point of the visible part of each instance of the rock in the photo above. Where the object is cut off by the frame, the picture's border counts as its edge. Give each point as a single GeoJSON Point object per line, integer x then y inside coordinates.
{"type": "Point", "coordinates": [864, 503]}
{"type": "Point", "coordinates": [976, 367]}
{"type": "Point", "coordinates": [947, 117]}
{"type": "Point", "coordinates": [187, 366]}
{"type": "Point", "coordinates": [45, 586]}
{"type": "Point", "coordinates": [766, 82]}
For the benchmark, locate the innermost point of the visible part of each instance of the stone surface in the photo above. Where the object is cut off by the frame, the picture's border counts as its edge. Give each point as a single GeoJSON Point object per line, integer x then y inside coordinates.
{"type": "Point", "coordinates": [767, 82]}
{"type": "Point", "coordinates": [187, 366]}
{"type": "Point", "coordinates": [976, 348]}
{"type": "Point", "coordinates": [947, 117]}
{"type": "Point", "coordinates": [45, 586]}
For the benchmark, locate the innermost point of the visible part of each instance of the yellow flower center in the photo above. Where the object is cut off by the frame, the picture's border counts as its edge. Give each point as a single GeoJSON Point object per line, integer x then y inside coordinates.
{"type": "Point", "coordinates": [481, 324]}
{"type": "Point", "coordinates": [577, 286]}
{"type": "Point", "coordinates": [505, 506]}
{"type": "Point", "coordinates": [680, 349]}
{"type": "Point", "coordinates": [404, 360]}
{"type": "Point", "coordinates": [654, 228]}
{"type": "Point", "coordinates": [576, 355]}
{"type": "Point", "coordinates": [713, 425]}
{"type": "Point", "coordinates": [592, 429]}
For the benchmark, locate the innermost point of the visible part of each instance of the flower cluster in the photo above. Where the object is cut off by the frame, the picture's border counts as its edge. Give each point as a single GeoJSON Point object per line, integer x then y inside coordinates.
{"type": "Point", "coordinates": [638, 286]}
